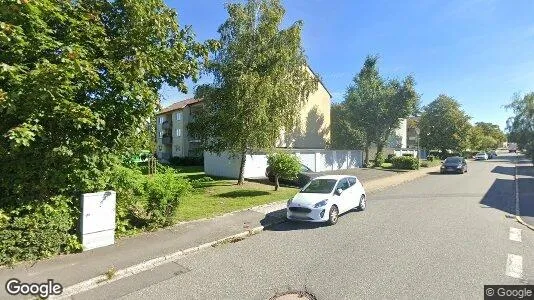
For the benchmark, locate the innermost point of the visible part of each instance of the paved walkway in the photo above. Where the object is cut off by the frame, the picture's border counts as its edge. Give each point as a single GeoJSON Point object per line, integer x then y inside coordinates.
{"type": "Point", "coordinates": [74, 268]}
{"type": "Point", "coordinates": [525, 177]}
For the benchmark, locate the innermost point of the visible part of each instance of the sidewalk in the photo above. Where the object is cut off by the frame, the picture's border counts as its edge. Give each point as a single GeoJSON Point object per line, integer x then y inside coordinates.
{"type": "Point", "coordinates": [525, 181]}
{"type": "Point", "coordinates": [69, 270]}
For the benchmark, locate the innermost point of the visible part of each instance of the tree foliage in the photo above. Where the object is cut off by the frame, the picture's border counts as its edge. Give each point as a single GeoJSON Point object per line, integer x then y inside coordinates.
{"type": "Point", "coordinates": [520, 127]}
{"type": "Point", "coordinates": [484, 136]}
{"type": "Point", "coordinates": [78, 79]}
{"type": "Point", "coordinates": [377, 105]}
{"type": "Point", "coordinates": [444, 125]}
{"type": "Point", "coordinates": [345, 135]}
{"type": "Point", "coordinates": [261, 81]}
{"type": "Point", "coordinates": [283, 165]}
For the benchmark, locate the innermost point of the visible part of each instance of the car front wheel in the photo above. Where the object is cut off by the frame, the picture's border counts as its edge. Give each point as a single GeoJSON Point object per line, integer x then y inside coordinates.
{"type": "Point", "coordinates": [333, 215]}
{"type": "Point", "coordinates": [363, 203]}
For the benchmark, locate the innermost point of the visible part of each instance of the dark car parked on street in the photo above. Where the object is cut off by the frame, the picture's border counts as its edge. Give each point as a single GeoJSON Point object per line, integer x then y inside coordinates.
{"type": "Point", "coordinates": [454, 164]}
{"type": "Point", "coordinates": [305, 176]}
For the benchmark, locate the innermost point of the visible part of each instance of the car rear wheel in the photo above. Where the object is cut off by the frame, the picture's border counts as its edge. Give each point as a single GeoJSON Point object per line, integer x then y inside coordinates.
{"type": "Point", "coordinates": [363, 203]}
{"type": "Point", "coordinates": [333, 215]}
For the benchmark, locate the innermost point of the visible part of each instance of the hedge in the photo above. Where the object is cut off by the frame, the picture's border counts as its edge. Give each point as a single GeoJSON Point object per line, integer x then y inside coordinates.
{"type": "Point", "coordinates": [405, 163]}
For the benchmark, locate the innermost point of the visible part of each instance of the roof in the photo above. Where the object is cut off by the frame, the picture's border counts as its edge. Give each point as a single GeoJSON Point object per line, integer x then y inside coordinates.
{"type": "Point", "coordinates": [320, 80]}
{"type": "Point", "coordinates": [179, 105]}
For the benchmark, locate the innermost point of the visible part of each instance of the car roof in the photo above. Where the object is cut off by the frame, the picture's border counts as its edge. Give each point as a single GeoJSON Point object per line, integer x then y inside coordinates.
{"type": "Point", "coordinates": [336, 177]}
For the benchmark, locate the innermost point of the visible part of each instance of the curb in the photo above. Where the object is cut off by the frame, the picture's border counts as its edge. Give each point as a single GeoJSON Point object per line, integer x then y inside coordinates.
{"type": "Point", "coordinates": [102, 280]}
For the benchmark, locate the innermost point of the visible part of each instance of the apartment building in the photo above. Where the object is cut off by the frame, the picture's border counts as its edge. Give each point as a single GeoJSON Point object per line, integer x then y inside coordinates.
{"type": "Point", "coordinates": [172, 135]}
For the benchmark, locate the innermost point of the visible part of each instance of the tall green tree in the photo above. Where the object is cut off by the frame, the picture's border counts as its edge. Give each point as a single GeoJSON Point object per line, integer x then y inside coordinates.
{"type": "Point", "coordinates": [444, 125]}
{"type": "Point", "coordinates": [377, 105]}
{"type": "Point", "coordinates": [520, 127]}
{"type": "Point", "coordinates": [77, 79]}
{"type": "Point", "coordinates": [261, 82]}
{"type": "Point", "coordinates": [344, 134]}
{"type": "Point", "coordinates": [484, 136]}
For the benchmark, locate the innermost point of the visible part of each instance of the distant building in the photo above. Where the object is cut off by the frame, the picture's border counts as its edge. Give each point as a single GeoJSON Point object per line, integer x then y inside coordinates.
{"type": "Point", "coordinates": [313, 132]}
{"type": "Point", "coordinates": [171, 132]}
{"type": "Point", "coordinates": [411, 134]}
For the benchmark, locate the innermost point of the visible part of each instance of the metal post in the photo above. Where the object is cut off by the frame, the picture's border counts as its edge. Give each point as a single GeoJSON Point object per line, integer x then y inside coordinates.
{"type": "Point", "coordinates": [418, 150]}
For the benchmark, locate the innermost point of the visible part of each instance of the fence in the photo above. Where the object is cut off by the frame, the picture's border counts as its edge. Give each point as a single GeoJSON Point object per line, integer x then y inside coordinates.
{"type": "Point", "coordinates": [317, 160]}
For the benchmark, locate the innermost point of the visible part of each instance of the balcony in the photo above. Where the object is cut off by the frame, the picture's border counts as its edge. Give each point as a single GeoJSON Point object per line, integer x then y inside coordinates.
{"type": "Point", "coordinates": [166, 125]}
{"type": "Point", "coordinates": [166, 140]}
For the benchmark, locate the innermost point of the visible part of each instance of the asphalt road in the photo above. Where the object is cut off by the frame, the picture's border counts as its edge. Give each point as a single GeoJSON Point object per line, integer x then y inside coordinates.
{"type": "Point", "coordinates": [438, 237]}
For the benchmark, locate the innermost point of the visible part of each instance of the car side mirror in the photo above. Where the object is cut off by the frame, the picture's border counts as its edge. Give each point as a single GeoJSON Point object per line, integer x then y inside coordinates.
{"type": "Point", "coordinates": [338, 192]}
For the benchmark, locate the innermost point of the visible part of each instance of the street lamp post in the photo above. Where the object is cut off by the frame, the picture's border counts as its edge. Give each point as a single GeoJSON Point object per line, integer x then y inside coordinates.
{"type": "Point", "coordinates": [418, 131]}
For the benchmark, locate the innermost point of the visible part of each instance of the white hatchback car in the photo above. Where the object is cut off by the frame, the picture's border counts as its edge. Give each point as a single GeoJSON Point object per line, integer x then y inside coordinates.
{"type": "Point", "coordinates": [324, 198]}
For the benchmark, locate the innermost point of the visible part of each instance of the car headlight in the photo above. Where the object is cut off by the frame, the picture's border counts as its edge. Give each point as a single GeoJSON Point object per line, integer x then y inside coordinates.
{"type": "Point", "coordinates": [459, 167]}
{"type": "Point", "coordinates": [320, 203]}
{"type": "Point", "coordinates": [289, 201]}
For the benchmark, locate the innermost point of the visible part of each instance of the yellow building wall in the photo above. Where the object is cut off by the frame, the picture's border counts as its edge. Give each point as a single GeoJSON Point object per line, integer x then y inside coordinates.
{"type": "Point", "coordinates": [314, 129]}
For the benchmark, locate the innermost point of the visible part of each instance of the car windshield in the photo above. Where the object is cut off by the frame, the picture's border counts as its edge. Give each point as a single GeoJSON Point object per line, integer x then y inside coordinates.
{"type": "Point", "coordinates": [303, 168]}
{"type": "Point", "coordinates": [453, 160]}
{"type": "Point", "coordinates": [481, 153]}
{"type": "Point", "coordinates": [320, 186]}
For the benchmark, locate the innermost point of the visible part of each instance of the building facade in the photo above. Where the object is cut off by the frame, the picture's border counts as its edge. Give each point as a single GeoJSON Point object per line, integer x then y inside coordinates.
{"type": "Point", "coordinates": [313, 132]}
{"type": "Point", "coordinates": [173, 139]}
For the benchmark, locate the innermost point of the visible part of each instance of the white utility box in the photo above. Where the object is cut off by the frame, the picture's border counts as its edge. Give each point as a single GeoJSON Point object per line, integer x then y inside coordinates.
{"type": "Point", "coordinates": [97, 224]}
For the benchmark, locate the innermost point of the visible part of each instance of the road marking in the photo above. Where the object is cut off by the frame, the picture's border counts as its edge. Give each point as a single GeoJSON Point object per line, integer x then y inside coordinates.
{"type": "Point", "coordinates": [515, 234]}
{"type": "Point", "coordinates": [514, 266]}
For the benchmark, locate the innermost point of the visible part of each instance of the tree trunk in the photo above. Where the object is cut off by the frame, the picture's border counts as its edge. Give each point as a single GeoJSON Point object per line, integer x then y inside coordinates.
{"type": "Point", "coordinates": [378, 156]}
{"type": "Point", "coordinates": [366, 160]}
{"type": "Point", "coordinates": [276, 183]}
{"type": "Point", "coordinates": [241, 179]}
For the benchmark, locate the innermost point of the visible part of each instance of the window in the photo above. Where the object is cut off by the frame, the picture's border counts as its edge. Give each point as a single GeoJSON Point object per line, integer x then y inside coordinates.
{"type": "Point", "coordinates": [319, 186]}
{"type": "Point", "coordinates": [178, 132]}
{"type": "Point", "coordinates": [352, 181]}
{"type": "Point", "coordinates": [343, 184]}
{"type": "Point", "coordinates": [161, 134]}
{"type": "Point", "coordinates": [178, 116]}
{"type": "Point", "coordinates": [161, 120]}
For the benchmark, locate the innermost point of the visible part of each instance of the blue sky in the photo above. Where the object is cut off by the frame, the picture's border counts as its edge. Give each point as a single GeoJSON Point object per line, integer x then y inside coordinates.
{"type": "Point", "coordinates": [478, 51]}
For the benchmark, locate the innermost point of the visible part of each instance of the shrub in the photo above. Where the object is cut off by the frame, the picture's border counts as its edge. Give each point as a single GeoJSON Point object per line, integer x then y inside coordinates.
{"type": "Point", "coordinates": [430, 158]}
{"type": "Point", "coordinates": [424, 164]}
{"type": "Point", "coordinates": [38, 230]}
{"type": "Point", "coordinates": [379, 160]}
{"type": "Point", "coordinates": [131, 199]}
{"type": "Point", "coordinates": [200, 181]}
{"type": "Point", "coordinates": [187, 161]}
{"type": "Point", "coordinates": [390, 156]}
{"type": "Point", "coordinates": [408, 154]}
{"type": "Point", "coordinates": [405, 163]}
{"type": "Point", "coordinates": [283, 165]}
{"type": "Point", "coordinates": [164, 191]}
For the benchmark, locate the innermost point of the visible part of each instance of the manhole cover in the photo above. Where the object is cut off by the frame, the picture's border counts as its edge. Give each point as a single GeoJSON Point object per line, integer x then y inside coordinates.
{"type": "Point", "coordinates": [294, 295]}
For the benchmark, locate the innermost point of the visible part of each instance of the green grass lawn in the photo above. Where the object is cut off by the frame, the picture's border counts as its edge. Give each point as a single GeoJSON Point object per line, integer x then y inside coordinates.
{"type": "Point", "coordinates": [221, 196]}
